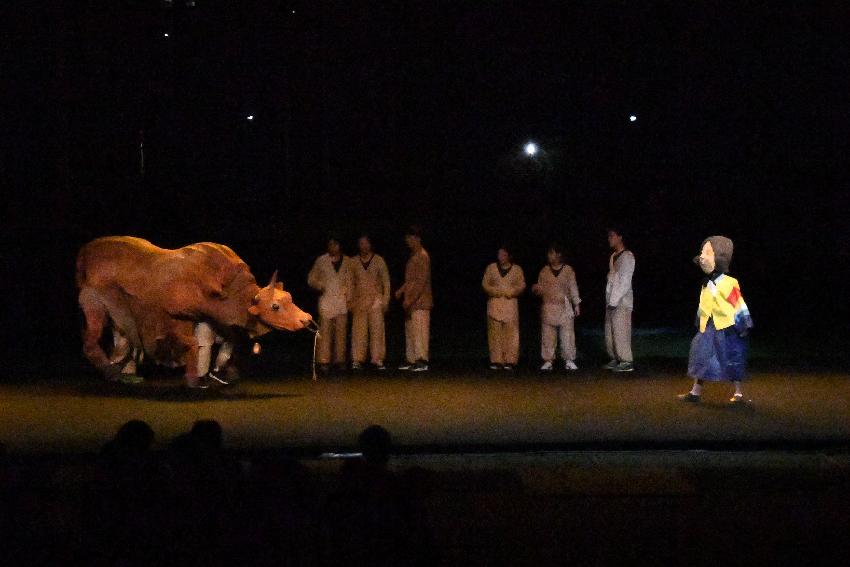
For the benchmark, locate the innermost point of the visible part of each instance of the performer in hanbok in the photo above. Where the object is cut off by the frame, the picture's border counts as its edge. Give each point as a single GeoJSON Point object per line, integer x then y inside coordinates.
{"type": "Point", "coordinates": [619, 302]}
{"type": "Point", "coordinates": [719, 349]}
{"type": "Point", "coordinates": [556, 285]}
{"type": "Point", "coordinates": [417, 300]}
{"type": "Point", "coordinates": [503, 282]}
{"type": "Point", "coordinates": [331, 277]}
{"type": "Point", "coordinates": [371, 298]}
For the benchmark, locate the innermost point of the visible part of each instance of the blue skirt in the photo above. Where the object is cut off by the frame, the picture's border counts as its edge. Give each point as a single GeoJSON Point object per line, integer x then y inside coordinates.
{"type": "Point", "coordinates": [718, 355]}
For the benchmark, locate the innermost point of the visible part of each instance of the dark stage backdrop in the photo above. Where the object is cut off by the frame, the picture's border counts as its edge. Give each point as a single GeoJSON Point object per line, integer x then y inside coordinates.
{"type": "Point", "coordinates": [369, 117]}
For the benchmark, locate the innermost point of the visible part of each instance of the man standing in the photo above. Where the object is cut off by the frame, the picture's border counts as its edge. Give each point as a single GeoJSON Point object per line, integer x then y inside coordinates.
{"type": "Point", "coordinates": [371, 297]}
{"type": "Point", "coordinates": [557, 285]}
{"type": "Point", "coordinates": [331, 277]}
{"type": "Point", "coordinates": [619, 302]}
{"type": "Point", "coordinates": [417, 301]}
{"type": "Point", "coordinates": [503, 282]}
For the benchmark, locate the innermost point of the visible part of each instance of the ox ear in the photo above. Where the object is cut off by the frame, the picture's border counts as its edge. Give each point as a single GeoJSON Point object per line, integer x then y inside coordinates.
{"type": "Point", "coordinates": [273, 281]}
{"type": "Point", "coordinates": [279, 286]}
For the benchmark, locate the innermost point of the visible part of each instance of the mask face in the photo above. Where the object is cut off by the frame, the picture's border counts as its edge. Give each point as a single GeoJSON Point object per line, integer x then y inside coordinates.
{"type": "Point", "coordinates": [706, 258]}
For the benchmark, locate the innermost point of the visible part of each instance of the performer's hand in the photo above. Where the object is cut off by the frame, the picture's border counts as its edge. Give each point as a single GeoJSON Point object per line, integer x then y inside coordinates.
{"type": "Point", "coordinates": [578, 310]}
{"type": "Point", "coordinates": [536, 289]}
{"type": "Point", "coordinates": [406, 304]}
{"type": "Point", "coordinates": [398, 293]}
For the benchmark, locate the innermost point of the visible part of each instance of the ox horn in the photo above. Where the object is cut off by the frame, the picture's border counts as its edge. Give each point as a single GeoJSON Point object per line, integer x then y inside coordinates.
{"type": "Point", "coordinates": [273, 281]}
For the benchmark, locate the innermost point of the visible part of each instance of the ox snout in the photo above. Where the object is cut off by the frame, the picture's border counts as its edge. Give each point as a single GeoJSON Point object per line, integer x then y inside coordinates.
{"type": "Point", "coordinates": [309, 324]}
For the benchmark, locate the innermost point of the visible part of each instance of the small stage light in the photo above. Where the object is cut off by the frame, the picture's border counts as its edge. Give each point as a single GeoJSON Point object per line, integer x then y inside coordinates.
{"type": "Point", "coordinates": [632, 118]}
{"type": "Point", "coordinates": [250, 117]}
{"type": "Point", "coordinates": [165, 35]}
{"type": "Point", "coordinates": [530, 149]}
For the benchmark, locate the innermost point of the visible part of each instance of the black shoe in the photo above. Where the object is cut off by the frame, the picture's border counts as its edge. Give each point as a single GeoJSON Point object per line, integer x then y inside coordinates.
{"type": "Point", "coordinates": [405, 366]}
{"type": "Point", "coordinates": [689, 397]}
{"type": "Point", "coordinates": [421, 366]}
{"type": "Point", "coordinates": [508, 367]}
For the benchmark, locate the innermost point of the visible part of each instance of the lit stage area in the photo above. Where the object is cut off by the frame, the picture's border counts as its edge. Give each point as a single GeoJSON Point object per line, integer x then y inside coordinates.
{"type": "Point", "coordinates": [454, 410]}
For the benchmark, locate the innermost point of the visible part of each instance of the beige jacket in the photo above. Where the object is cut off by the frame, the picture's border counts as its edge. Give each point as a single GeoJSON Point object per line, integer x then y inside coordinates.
{"type": "Point", "coordinates": [560, 295]}
{"type": "Point", "coordinates": [335, 287]}
{"type": "Point", "coordinates": [417, 281]}
{"type": "Point", "coordinates": [503, 291]}
{"type": "Point", "coordinates": [371, 284]}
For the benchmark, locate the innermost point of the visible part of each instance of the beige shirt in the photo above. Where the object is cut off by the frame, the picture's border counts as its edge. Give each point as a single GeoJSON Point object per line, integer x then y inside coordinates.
{"type": "Point", "coordinates": [371, 283]}
{"type": "Point", "coordinates": [560, 295]}
{"type": "Point", "coordinates": [417, 281]}
{"type": "Point", "coordinates": [335, 287]}
{"type": "Point", "coordinates": [502, 291]}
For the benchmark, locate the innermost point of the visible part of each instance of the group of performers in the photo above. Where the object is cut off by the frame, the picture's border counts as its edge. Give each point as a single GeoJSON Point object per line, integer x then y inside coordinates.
{"type": "Point", "coordinates": [361, 285]}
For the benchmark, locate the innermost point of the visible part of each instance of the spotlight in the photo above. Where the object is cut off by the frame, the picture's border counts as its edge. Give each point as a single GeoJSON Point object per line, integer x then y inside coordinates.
{"type": "Point", "coordinates": [632, 118]}
{"type": "Point", "coordinates": [530, 149]}
{"type": "Point", "coordinates": [250, 117]}
{"type": "Point", "coordinates": [165, 35]}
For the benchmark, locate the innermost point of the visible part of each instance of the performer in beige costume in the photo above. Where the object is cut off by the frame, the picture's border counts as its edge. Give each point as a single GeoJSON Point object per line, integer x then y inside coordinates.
{"type": "Point", "coordinates": [371, 297]}
{"type": "Point", "coordinates": [619, 302]}
{"type": "Point", "coordinates": [417, 301]}
{"type": "Point", "coordinates": [331, 277]}
{"type": "Point", "coordinates": [557, 286]}
{"type": "Point", "coordinates": [503, 282]}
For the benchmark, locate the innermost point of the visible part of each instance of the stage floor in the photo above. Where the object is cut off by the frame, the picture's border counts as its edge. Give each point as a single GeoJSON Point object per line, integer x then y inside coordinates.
{"type": "Point", "coordinates": [440, 411]}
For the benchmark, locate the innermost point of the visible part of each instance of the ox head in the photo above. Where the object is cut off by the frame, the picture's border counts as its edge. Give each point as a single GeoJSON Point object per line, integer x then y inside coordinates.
{"type": "Point", "coordinates": [273, 307]}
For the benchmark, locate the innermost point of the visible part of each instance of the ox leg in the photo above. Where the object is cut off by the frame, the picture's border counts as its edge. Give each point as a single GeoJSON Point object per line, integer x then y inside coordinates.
{"type": "Point", "coordinates": [96, 319]}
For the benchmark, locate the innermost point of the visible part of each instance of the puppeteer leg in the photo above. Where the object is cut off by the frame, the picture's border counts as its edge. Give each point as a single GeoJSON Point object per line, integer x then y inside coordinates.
{"type": "Point", "coordinates": [205, 335]}
{"type": "Point", "coordinates": [96, 317]}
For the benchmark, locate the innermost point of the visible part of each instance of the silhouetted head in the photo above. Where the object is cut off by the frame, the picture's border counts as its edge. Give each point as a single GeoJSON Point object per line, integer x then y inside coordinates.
{"type": "Point", "coordinates": [135, 436]}
{"type": "Point", "coordinates": [207, 433]}
{"type": "Point", "coordinates": [375, 443]}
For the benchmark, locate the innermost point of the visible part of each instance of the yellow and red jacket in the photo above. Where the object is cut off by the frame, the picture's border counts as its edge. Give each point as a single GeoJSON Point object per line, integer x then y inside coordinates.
{"type": "Point", "coordinates": [722, 301]}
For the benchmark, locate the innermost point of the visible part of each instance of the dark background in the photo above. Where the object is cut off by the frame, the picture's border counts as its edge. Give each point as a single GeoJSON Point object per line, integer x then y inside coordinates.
{"type": "Point", "coordinates": [369, 116]}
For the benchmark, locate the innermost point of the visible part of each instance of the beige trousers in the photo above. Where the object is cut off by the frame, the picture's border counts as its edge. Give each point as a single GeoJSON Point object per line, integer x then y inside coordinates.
{"type": "Point", "coordinates": [332, 335]}
{"type": "Point", "coordinates": [367, 330]}
{"type": "Point", "coordinates": [417, 325]}
{"type": "Point", "coordinates": [551, 334]}
{"type": "Point", "coordinates": [618, 333]}
{"type": "Point", "coordinates": [503, 339]}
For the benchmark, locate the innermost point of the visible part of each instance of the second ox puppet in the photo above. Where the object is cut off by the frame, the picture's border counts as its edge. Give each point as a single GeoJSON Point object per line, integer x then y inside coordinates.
{"type": "Point", "coordinates": [173, 305]}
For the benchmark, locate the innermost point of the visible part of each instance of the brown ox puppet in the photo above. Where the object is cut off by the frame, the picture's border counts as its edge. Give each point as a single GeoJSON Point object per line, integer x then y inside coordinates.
{"type": "Point", "coordinates": [172, 305]}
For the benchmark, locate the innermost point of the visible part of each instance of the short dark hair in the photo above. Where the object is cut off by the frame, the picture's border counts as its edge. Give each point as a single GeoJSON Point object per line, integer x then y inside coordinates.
{"type": "Point", "coordinates": [618, 230]}
{"type": "Point", "coordinates": [556, 247]}
{"type": "Point", "coordinates": [414, 230]}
